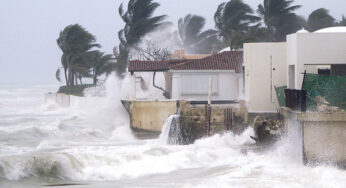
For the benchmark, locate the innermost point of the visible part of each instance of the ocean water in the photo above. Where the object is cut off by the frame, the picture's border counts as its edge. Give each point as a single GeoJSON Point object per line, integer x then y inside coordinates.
{"type": "Point", "coordinates": [90, 144]}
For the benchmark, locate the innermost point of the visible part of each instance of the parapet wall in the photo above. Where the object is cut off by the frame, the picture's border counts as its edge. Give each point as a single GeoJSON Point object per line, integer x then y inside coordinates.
{"type": "Point", "coordinates": [149, 115]}
{"type": "Point", "coordinates": [58, 98]}
{"type": "Point", "coordinates": [323, 135]}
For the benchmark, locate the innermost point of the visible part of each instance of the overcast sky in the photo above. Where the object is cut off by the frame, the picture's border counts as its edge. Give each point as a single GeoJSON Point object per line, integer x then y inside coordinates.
{"type": "Point", "coordinates": [29, 29]}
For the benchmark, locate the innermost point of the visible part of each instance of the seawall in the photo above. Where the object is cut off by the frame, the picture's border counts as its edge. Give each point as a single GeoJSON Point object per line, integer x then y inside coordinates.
{"type": "Point", "coordinates": [322, 135]}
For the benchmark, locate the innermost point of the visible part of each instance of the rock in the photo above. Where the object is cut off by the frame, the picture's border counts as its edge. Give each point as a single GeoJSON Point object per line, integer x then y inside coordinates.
{"type": "Point", "coordinates": [266, 131]}
{"type": "Point", "coordinates": [322, 105]}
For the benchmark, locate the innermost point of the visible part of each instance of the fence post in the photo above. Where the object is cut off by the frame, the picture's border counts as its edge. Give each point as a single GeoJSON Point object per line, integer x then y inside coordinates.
{"type": "Point", "coordinates": [228, 118]}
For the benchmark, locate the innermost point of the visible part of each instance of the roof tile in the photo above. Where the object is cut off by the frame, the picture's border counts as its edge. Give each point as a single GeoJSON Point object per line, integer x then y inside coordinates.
{"type": "Point", "coordinates": [229, 60]}
{"type": "Point", "coordinates": [139, 66]}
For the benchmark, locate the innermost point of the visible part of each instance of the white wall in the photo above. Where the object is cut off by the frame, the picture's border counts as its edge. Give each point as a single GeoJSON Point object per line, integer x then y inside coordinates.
{"type": "Point", "coordinates": [151, 93]}
{"type": "Point", "coordinates": [59, 99]}
{"type": "Point", "coordinates": [260, 59]}
{"type": "Point", "coordinates": [314, 49]}
{"type": "Point", "coordinates": [225, 87]}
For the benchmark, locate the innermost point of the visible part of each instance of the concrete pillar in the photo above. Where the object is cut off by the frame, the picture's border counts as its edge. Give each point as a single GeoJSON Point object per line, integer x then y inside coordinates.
{"type": "Point", "coordinates": [132, 87]}
{"type": "Point", "coordinates": [175, 87]}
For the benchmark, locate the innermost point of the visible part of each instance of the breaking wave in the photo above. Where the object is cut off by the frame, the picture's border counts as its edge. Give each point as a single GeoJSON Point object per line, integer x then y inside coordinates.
{"type": "Point", "coordinates": [91, 142]}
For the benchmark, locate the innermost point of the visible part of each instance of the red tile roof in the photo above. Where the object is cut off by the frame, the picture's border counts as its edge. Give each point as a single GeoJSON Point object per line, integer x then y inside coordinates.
{"type": "Point", "coordinates": [229, 60]}
{"type": "Point", "coordinates": [142, 66]}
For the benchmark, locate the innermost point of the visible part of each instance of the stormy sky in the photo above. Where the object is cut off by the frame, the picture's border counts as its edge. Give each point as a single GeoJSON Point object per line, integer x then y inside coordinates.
{"type": "Point", "coordinates": [29, 29]}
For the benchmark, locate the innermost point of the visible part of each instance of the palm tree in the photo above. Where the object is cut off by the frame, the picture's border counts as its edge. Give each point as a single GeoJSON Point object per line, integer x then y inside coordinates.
{"type": "Point", "coordinates": [74, 41]}
{"type": "Point", "coordinates": [100, 64]}
{"type": "Point", "coordinates": [320, 18]}
{"type": "Point", "coordinates": [279, 18]}
{"type": "Point", "coordinates": [191, 37]}
{"type": "Point", "coordinates": [139, 21]}
{"type": "Point", "coordinates": [232, 20]}
{"type": "Point", "coordinates": [80, 66]}
{"type": "Point", "coordinates": [342, 22]}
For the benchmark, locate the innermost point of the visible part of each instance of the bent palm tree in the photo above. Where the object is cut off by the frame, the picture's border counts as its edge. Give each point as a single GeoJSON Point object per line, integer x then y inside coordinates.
{"type": "Point", "coordinates": [100, 64]}
{"type": "Point", "coordinates": [233, 19]}
{"type": "Point", "coordinates": [342, 21]}
{"type": "Point", "coordinates": [73, 40]}
{"type": "Point", "coordinates": [320, 18]}
{"type": "Point", "coordinates": [190, 34]}
{"type": "Point", "coordinates": [278, 17]}
{"type": "Point", "coordinates": [139, 21]}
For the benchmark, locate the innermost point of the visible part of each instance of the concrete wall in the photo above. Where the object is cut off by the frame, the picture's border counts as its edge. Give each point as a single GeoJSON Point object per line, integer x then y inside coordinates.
{"type": "Point", "coordinates": [225, 85]}
{"type": "Point", "coordinates": [322, 136]}
{"type": "Point", "coordinates": [325, 142]}
{"type": "Point", "coordinates": [150, 115]}
{"type": "Point", "coordinates": [59, 99]}
{"type": "Point", "coordinates": [265, 67]}
{"type": "Point", "coordinates": [314, 49]}
{"type": "Point", "coordinates": [64, 100]}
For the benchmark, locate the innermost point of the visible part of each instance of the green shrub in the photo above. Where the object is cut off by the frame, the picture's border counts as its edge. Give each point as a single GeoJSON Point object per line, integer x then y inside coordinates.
{"type": "Point", "coordinates": [74, 90]}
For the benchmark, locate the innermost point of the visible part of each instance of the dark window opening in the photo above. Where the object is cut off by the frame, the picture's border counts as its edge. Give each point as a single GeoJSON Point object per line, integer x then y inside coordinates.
{"type": "Point", "coordinates": [324, 72]}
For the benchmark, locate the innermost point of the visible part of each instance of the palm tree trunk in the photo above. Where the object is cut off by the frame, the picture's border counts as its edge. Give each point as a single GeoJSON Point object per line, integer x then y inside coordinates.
{"type": "Point", "coordinates": [70, 72]}
{"type": "Point", "coordinates": [68, 76]}
{"type": "Point", "coordinates": [66, 80]}
{"type": "Point", "coordinates": [75, 78]}
{"type": "Point", "coordinates": [94, 77]}
{"type": "Point", "coordinates": [80, 80]}
{"type": "Point", "coordinates": [71, 77]}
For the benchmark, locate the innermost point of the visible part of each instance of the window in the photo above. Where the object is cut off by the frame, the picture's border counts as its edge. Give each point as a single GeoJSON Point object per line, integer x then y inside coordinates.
{"type": "Point", "coordinates": [198, 83]}
{"type": "Point", "coordinates": [323, 72]}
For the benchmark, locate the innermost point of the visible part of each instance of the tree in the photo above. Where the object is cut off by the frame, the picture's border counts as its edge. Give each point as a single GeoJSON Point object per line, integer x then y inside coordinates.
{"type": "Point", "coordinates": [139, 21]}
{"type": "Point", "coordinates": [279, 18]}
{"type": "Point", "coordinates": [342, 22]}
{"type": "Point", "coordinates": [100, 64]}
{"type": "Point", "coordinates": [320, 18]}
{"type": "Point", "coordinates": [191, 37]}
{"type": "Point", "coordinates": [149, 50]}
{"type": "Point", "coordinates": [75, 41]}
{"type": "Point", "coordinates": [232, 20]}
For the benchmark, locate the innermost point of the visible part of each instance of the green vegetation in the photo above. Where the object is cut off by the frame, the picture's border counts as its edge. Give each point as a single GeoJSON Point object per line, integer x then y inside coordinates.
{"type": "Point", "coordinates": [190, 35]}
{"type": "Point", "coordinates": [139, 21]}
{"type": "Point", "coordinates": [74, 90]}
{"type": "Point", "coordinates": [279, 18]}
{"type": "Point", "coordinates": [319, 19]}
{"type": "Point", "coordinates": [233, 20]}
{"type": "Point", "coordinates": [342, 21]}
{"type": "Point", "coordinates": [79, 59]}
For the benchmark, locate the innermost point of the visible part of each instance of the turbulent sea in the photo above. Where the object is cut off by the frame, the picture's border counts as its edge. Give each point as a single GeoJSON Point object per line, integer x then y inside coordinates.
{"type": "Point", "coordinates": [90, 144]}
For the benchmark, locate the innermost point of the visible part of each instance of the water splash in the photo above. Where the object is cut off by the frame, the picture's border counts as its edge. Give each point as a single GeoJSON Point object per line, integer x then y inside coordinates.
{"type": "Point", "coordinates": [170, 133]}
{"type": "Point", "coordinates": [85, 144]}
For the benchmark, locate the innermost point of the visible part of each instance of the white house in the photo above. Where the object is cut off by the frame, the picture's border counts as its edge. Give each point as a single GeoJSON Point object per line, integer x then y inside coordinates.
{"type": "Point", "coordinates": [282, 64]}
{"type": "Point", "coordinates": [188, 79]}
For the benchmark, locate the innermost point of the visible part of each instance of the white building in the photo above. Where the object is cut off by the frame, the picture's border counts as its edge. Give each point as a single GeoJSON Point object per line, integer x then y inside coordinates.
{"type": "Point", "coordinates": [189, 79]}
{"type": "Point", "coordinates": [265, 69]}
{"type": "Point", "coordinates": [321, 48]}
{"type": "Point", "coordinates": [281, 64]}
